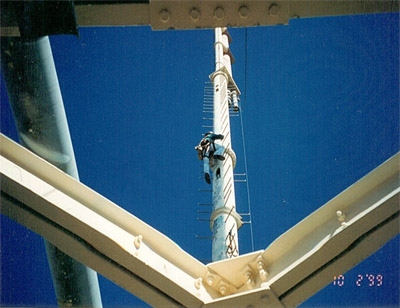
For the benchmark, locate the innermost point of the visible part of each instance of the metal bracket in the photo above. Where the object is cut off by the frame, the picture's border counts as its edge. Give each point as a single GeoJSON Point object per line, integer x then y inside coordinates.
{"type": "Point", "coordinates": [255, 273]}
{"type": "Point", "coordinates": [229, 212]}
{"type": "Point", "coordinates": [231, 83]}
{"type": "Point", "coordinates": [232, 155]}
{"type": "Point", "coordinates": [211, 14]}
{"type": "Point", "coordinates": [222, 286]}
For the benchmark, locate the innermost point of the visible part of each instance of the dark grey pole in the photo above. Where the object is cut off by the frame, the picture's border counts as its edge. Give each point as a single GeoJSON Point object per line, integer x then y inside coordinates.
{"type": "Point", "coordinates": [39, 114]}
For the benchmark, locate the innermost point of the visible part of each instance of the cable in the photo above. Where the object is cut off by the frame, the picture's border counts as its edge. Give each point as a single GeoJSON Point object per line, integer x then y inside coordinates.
{"type": "Point", "coordinates": [243, 139]}
{"type": "Point", "coordinates": [245, 66]}
{"type": "Point", "coordinates": [247, 183]}
{"type": "Point", "coordinates": [247, 177]}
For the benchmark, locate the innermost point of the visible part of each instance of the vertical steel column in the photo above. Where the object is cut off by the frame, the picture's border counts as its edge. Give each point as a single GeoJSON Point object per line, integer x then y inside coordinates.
{"type": "Point", "coordinates": [225, 221]}
{"type": "Point", "coordinates": [38, 110]}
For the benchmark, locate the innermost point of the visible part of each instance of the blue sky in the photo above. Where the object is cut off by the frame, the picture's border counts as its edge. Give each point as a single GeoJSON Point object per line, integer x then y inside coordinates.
{"type": "Point", "coordinates": [320, 109]}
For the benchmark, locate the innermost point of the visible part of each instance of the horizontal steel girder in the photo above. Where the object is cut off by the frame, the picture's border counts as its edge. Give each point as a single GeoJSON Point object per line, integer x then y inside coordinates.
{"type": "Point", "coordinates": [190, 14]}
{"type": "Point", "coordinates": [98, 233]}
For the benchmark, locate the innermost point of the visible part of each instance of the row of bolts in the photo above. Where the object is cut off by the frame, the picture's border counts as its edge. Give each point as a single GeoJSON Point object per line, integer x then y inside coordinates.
{"type": "Point", "coordinates": [219, 12]}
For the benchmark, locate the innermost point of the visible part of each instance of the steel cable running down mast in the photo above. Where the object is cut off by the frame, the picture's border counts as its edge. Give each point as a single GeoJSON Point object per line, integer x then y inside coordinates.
{"type": "Point", "coordinates": [224, 221]}
{"type": "Point", "coordinates": [243, 140]}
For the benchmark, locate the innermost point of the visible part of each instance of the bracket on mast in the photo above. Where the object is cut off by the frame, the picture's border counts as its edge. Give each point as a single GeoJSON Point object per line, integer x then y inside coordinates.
{"type": "Point", "coordinates": [232, 155]}
{"type": "Point", "coordinates": [231, 83]}
{"type": "Point", "coordinates": [229, 212]}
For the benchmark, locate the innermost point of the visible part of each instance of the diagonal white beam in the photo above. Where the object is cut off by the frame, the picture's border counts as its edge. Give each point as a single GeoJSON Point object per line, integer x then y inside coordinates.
{"type": "Point", "coordinates": [124, 249]}
{"type": "Point", "coordinates": [327, 243]}
{"type": "Point", "coordinates": [96, 232]}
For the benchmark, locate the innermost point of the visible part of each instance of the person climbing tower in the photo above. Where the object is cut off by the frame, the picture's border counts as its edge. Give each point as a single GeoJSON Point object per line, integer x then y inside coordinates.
{"type": "Point", "coordinates": [207, 149]}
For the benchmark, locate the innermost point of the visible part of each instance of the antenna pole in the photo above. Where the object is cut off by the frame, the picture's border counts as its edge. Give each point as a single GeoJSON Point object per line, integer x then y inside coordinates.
{"type": "Point", "coordinates": [225, 221]}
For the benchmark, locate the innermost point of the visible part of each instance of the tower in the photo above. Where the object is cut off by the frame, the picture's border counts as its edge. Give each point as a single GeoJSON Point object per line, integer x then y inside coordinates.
{"type": "Point", "coordinates": [225, 221]}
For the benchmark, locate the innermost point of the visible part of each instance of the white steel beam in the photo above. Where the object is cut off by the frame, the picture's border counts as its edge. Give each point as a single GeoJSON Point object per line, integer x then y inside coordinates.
{"type": "Point", "coordinates": [327, 243]}
{"type": "Point", "coordinates": [193, 14]}
{"type": "Point", "coordinates": [124, 249]}
{"type": "Point", "coordinates": [96, 232]}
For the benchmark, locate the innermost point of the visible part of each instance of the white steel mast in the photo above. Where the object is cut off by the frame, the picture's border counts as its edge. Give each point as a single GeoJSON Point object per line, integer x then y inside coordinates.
{"type": "Point", "coordinates": [225, 221]}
